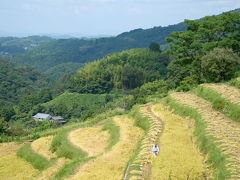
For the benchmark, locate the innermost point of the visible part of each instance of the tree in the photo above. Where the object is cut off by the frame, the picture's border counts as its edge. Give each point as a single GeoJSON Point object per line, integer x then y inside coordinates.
{"type": "Point", "coordinates": [219, 65]}
{"type": "Point", "coordinates": [202, 36]}
{"type": "Point", "coordinates": [132, 77]}
{"type": "Point", "coordinates": [154, 47]}
{"type": "Point", "coordinates": [6, 112]}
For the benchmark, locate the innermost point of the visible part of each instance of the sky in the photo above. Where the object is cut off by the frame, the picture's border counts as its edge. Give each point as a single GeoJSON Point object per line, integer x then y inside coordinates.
{"type": "Point", "coordinates": [101, 17]}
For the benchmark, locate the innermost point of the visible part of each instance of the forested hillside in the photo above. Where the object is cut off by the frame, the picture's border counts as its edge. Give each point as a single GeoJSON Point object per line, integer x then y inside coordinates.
{"type": "Point", "coordinates": [125, 70]}
{"type": "Point", "coordinates": [81, 51]}
{"type": "Point", "coordinates": [55, 52]}
{"type": "Point", "coordinates": [17, 82]}
{"type": "Point", "coordinates": [14, 45]}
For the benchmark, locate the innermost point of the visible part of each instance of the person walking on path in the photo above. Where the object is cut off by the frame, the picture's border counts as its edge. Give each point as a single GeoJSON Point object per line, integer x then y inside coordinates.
{"type": "Point", "coordinates": [155, 149]}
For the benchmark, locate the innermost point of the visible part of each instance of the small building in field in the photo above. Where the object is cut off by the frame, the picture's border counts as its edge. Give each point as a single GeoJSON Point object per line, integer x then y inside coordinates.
{"type": "Point", "coordinates": [42, 116]}
{"type": "Point", "coordinates": [48, 117]}
{"type": "Point", "coordinates": [58, 119]}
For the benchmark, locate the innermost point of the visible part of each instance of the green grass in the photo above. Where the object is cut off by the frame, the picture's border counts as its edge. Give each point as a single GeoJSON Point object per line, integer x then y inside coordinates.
{"type": "Point", "coordinates": [207, 143]}
{"type": "Point", "coordinates": [219, 103]}
{"type": "Point", "coordinates": [69, 168]}
{"type": "Point", "coordinates": [73, 100]}
{"type": "Point", "coordinates": [114, 132]}
{"type": "Point", "coordinates": [140, 121]}
{"type": "Point", "coordinates": [64, 148]}
{"type": "Point", "coordinates": [37, 161]}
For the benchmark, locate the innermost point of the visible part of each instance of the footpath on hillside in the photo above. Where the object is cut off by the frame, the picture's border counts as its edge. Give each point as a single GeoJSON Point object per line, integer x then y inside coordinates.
{"type": "Point", "coordinates": [225, 130]}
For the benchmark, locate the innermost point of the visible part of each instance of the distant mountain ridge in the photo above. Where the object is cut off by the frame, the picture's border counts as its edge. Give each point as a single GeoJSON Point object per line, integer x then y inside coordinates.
{"type": "Point", "coordinates": [60, 51]}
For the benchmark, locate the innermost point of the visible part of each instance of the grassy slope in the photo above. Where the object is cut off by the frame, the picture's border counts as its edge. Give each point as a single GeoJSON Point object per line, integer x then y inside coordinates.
{"type": "Point", "coordinates": [219, 103]}
{"type": "Point", "coordinates": [38, 162]}
{"type": "Point", "coordinates": [71, 100]}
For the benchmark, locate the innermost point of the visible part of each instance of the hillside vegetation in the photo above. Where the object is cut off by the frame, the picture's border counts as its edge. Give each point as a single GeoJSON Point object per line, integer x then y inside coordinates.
{"type": "Point", "coordinates": [126, 70]}
{"type": "Point", "coordinates": [205, 146]}
{"type": "Point", "coordinates": [117, 108]}
{"type": "Point", "coordinates": [17, 82]}
{"type": "Point", "coordinates": [61, 51]}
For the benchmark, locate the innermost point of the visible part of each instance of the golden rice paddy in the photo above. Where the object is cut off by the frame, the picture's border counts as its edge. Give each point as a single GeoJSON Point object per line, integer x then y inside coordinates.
{"type": "Point", "coordinates": [111, 165]}
{"type": "Point", "coordinates": [91, 139]}
{"type": "Point", "coordinates": [230, 93]}
{"type": "Point", "coordinates": [42, 147]}
{"type": "Point", "coordinates": [221, 127]}
{"type": "Point", "coordinates": [179, 157]}
{"type": "Point", "coordinates": [50, 172]}
{"type": "Point", "coordinates": [13, 167]}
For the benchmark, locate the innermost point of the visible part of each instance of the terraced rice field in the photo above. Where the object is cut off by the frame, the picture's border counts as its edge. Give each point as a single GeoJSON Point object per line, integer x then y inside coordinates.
{"type": "Point", "coordinates": [111, 164]}
{"type": "Point", "coordinates": [50, 172]}
{"type": "Point", "coordinates": [140, 168]}
{"type": "Point", "coordinates": [91, 139]}
{"type": "Point", "coordinates": [42, 147]}
{"type": "Point", "coordinates": [230, 93]}
{"type": "Point", "coordinates": [13, 167]}
{"type": "Point", "coordinates": [225, 130]}
{"type": "Point", "coordinates": [179, 156]}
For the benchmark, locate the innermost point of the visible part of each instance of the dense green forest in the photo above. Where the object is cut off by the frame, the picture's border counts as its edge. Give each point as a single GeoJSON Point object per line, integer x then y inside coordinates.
{"type": "Point", "coordinates": [56, 72]}
{"type": "Point", "coordinates": [207, 52]}
{"type": "Point", "coordinates": [125, 71]}
{"type": "Point", "coordinates": [17, 82]}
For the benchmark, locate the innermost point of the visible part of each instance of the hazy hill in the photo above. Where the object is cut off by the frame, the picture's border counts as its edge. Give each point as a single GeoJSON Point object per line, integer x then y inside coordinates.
{"type": "Point", "coordinates": [14, 45]}
{"type": "Point", "coordinates": [60, 51]}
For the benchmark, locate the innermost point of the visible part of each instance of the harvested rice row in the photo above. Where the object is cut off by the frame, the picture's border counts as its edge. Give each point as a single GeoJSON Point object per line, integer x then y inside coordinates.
{"type": "Point", "coordinates": [42, 147]}
{"type": "Point", "coordinates": [13, 167]}
{"type": "Point", "coordinates": [230, 93]}
{"type": "Point", "coordinates": [90, 139]}
{"type": "Point", "coordinates": [140, 168]}
{"type": "Point", "coordinates": [111, 164]}
{"type": "Point", "coordinates": [227, 131]}
{"type": "Point", "coordinates": [179, 156]}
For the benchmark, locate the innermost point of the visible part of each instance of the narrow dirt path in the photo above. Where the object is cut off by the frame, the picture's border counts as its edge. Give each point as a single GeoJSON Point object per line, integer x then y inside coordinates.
{"type": "Point", "coordinates": [90, 139]}
{"type": "Point", "coordinates": [230, 93]}
{"type": "Point", "coordinates": [140, 168]}
{"type": "Point", "coordinates": [111, 165]}
{"type": "Point", "coordinates": [179, 156]}
{"type": "Point", "coordinates": [42, 147]}
{"type": "Point", "coordinates": [224, 129]}
{"type": "Point", "coordinates": [13, 167]}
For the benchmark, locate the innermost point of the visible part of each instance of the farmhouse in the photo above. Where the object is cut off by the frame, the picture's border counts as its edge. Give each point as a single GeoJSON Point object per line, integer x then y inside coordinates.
{"type": "Point", "coordinates": [42, 116]}
{"type": "Point", "coordinates": [48, 117]}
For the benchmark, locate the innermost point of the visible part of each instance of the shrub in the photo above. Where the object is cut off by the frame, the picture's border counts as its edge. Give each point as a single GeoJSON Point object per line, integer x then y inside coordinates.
{"type": "Point", "coordinates": [219, 65]}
